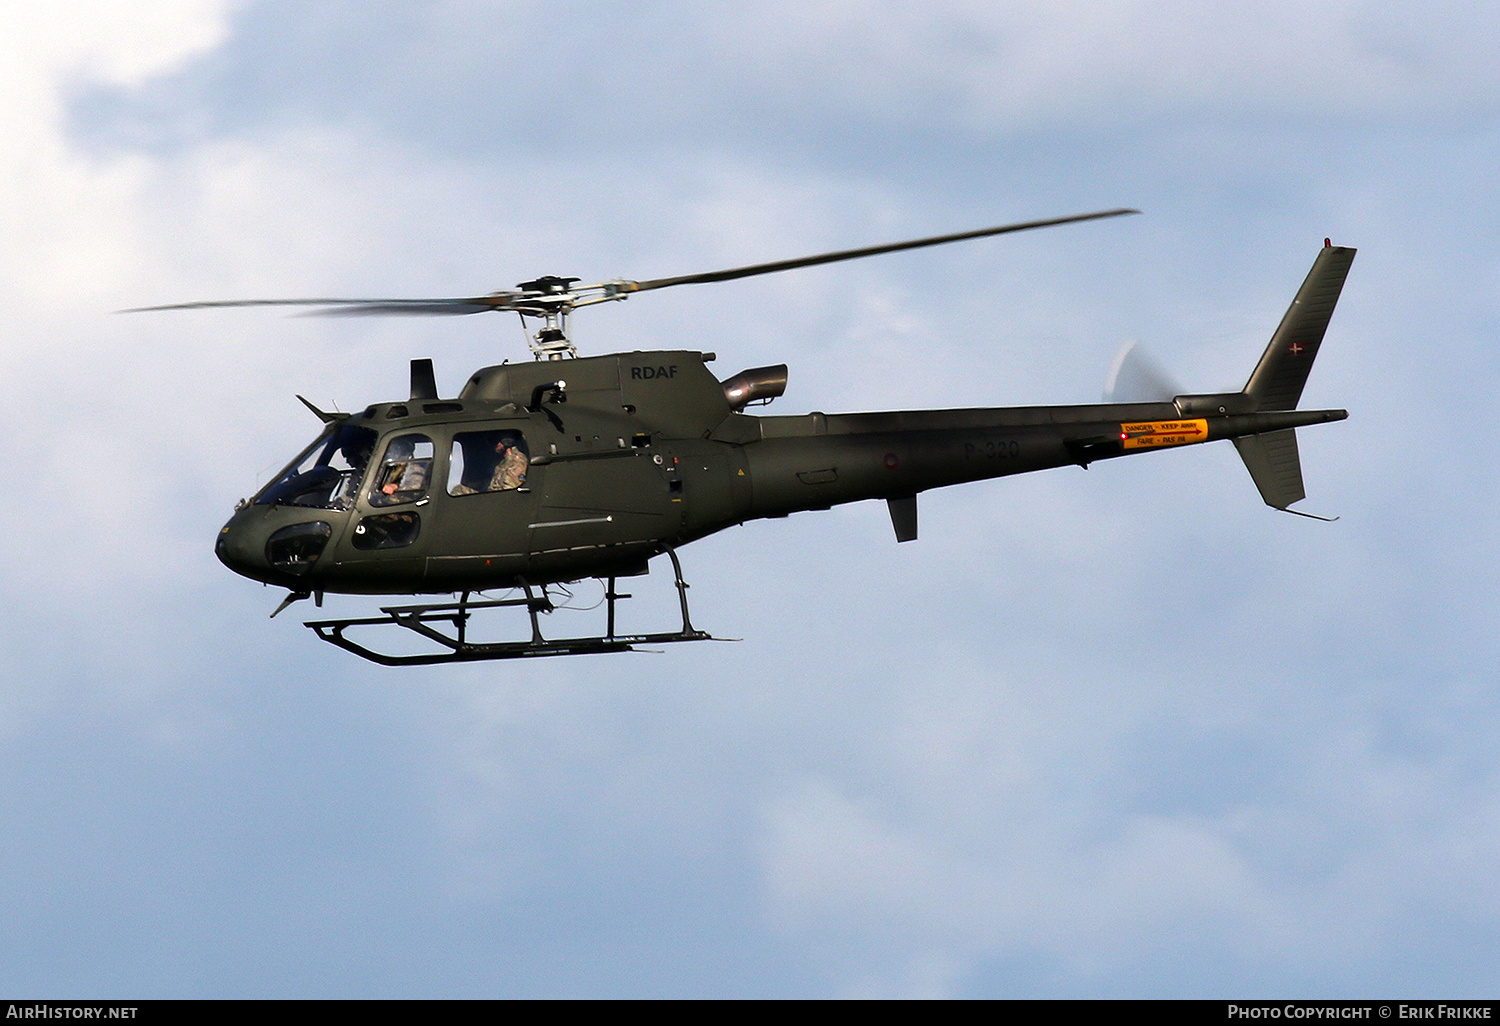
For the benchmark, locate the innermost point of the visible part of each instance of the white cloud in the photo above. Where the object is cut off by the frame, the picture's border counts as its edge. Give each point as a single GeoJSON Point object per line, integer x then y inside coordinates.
{"type": "Point", "coordinates": [1031, 62]}
{"type": "Point", "coordinates": [982, 869]}
{"type": "Point", "coordinates": [55, 203]}
{"type": "Point", "coordinates": [49, 46]}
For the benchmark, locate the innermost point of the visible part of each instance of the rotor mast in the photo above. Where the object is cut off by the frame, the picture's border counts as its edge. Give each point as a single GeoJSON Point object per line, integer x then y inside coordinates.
{"type": "Point", "coordinates": [550, 300]}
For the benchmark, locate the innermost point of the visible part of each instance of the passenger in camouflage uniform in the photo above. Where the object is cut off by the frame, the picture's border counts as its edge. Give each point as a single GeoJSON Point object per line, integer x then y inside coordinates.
{"type": "Point", "coordinates": [510, 471]}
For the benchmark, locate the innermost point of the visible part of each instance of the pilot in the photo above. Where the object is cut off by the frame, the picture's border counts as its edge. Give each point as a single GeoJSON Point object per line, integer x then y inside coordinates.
{"type": "Point", "coordinates": [405, 477]}
{"type": "Point", "coordinates": [356, 452]}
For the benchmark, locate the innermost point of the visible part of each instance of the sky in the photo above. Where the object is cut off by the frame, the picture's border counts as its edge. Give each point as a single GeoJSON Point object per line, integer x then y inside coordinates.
{"type": "Point", "coordinates": [1118, 733]}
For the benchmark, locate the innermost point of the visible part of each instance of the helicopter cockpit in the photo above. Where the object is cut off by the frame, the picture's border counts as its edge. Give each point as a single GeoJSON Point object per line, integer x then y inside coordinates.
{"type": "Point", "coordinates": [326, 475]}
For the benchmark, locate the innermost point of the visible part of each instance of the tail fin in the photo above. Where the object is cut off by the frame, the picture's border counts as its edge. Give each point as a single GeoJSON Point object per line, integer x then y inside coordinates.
{"type": "Point", "coordinates": [1277, 382]}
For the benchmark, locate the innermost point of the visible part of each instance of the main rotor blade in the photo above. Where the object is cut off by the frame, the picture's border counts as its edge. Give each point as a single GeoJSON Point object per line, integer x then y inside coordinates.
{"type": "Point", "coordinates": [852, 254]}
{"type": "Point", "coordinates": [357, 307]}
{"type": "Point", "coordinates": [535, 299]}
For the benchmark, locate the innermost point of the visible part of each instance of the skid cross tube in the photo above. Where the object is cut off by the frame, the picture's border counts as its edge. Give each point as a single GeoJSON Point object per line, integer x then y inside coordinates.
{"type": "Point", "coordinates": [419, 619]}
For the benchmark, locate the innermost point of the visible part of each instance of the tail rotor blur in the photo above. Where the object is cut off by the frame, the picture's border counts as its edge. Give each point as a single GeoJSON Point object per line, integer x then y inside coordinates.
{"type": "Point", "coordinates": [1136, 377]}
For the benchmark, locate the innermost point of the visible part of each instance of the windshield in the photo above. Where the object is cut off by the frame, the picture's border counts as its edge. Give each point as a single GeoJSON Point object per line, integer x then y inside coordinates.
{"type": "Point", "coordinates": [327, 473]}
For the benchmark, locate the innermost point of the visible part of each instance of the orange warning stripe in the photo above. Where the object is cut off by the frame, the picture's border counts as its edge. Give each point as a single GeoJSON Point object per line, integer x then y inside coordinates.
{"type": "Point", "coordinates": [1157, 434]}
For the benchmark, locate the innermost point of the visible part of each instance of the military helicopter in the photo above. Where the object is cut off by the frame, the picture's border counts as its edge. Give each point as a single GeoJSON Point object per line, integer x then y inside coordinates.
{"type": "Point", "coordinates": [569, 468]}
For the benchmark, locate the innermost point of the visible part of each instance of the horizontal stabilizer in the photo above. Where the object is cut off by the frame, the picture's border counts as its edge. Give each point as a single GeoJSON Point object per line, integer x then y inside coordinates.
{"type": "Point", "coordinates": [1277, 381]}
{"type": "Point", "coordinates": [1274, 465]}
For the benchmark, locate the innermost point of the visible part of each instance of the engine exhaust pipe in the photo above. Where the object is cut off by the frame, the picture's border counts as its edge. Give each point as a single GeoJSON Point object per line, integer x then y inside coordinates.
{"type": "Point", "coordinates": [755, 385]}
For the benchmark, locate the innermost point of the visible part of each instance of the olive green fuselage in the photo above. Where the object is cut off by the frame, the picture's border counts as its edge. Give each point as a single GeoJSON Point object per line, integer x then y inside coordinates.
{"type": "Point", "coordinates": [637, 453]}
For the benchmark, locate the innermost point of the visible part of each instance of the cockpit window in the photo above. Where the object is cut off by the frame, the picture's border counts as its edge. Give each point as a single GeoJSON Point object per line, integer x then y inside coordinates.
{"type": "Point", "coordinates": [403, 472]}
{"type": "Point", "coordinates": [487, 461]}
{"type": "Point", "coordinates": [327, 473]}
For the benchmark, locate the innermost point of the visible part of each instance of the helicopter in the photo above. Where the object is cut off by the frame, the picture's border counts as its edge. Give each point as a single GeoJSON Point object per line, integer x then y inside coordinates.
{"type": "Point", "coordinates": [539, 475]}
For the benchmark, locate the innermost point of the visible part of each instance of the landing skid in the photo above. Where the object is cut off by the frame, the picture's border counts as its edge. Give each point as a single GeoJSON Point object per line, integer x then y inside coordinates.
{"type": "Point", "coordinates": [419, 620]}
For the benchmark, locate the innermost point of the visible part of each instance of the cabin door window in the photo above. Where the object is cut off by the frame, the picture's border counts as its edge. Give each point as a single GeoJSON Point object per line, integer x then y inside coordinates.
{"type": "Point", "coordinates": [488, 461]}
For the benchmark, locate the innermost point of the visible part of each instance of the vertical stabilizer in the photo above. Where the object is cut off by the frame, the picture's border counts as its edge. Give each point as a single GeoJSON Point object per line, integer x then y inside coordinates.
{"type": "Point", "coordinates": [1277, 381]}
